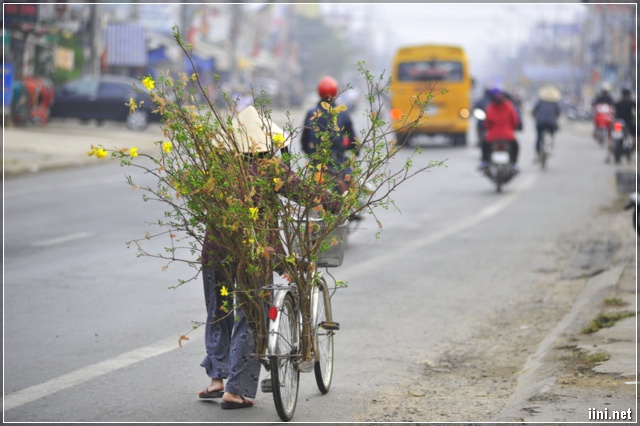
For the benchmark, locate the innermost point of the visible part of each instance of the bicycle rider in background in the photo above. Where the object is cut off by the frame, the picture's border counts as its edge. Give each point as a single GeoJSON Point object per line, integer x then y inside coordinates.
{"type": "Point", "coordinates": [546, 112]}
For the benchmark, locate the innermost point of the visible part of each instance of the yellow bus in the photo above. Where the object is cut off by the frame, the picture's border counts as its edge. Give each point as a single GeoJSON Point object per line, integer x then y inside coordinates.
{"type": "Point", "coordinates": [442, 70]}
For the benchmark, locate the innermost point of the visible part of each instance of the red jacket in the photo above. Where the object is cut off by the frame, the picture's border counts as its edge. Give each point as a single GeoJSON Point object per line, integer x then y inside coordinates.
{"type": "Point", "coordinates": [501, 121]}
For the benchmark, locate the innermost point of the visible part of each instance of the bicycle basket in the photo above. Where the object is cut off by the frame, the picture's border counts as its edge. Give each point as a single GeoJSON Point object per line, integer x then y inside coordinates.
{"type": "Point", "coordinates": [336, 239]}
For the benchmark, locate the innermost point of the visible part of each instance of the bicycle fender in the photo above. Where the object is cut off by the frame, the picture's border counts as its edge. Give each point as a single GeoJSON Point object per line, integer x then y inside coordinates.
{"type": "Point", "coordinates": [278, 300]}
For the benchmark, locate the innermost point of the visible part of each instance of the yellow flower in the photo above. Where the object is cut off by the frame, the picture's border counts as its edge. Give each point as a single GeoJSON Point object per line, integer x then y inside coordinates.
{"type": "Point", "coordinates": [278, 140]}
{"type": "Point", "coordinates": [166, 147]}
{"type": "Point", "coordinates": [224, 291]}
{"type": "Point", "coordinates": [133, 152]}
{"type": "Point", "coordinates": [278, 183]}
{"type": "Point", "coordinates": [101, 153]}
{"type": "Point", "coordinates": [253, 213]}
{"type": "Point", "coordinates": [148, 83]}
{"type": "Point", "coordinates": [132, 105]}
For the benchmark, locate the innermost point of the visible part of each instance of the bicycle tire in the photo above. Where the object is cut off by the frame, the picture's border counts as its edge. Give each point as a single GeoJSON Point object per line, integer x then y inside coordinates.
{"type": "Point", "coordinates": [323, 366]}
{"type": "Point", "coordinates": [543, 152]}
{"type": "Point", "coordinates": [285, 378]}
{"type": "Point", "coordinates": [545, 149]}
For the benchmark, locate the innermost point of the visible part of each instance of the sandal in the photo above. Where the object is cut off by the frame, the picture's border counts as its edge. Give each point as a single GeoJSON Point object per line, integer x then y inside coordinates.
{"type": "Point", "coordinates": [211, 393]}
{"type": "Point", "coordinates": [232, 405]}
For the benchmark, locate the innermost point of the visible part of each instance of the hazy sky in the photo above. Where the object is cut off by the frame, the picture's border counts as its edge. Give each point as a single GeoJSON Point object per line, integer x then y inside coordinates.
{"type": "Point", "coordinates": [481, 28]}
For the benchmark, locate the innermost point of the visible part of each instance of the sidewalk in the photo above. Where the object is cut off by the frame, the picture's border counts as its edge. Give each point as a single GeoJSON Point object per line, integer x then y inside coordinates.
{"type": "Point", "coordinates": [65, 142]}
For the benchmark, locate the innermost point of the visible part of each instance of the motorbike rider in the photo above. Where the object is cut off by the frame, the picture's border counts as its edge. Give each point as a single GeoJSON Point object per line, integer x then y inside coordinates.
{"type": "Point", "coordinates": [604, 97]}
{"type": "Point", "coordinates": [482, 104]}
{"type": "Point", "coordinates": [342, 134]}
{"type": "Point", "coordinates": [546, 112]}
{"type": "Point", "coordinates": [501, 122]}
{"type": "Point", "coordinates": [625, 109]}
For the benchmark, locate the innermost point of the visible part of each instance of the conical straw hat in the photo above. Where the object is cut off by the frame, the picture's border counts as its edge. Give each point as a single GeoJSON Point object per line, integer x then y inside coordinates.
{"type": "Point", "coordinates": [549, 93]}
{"type": "Point", "coordinates": [254, 133]}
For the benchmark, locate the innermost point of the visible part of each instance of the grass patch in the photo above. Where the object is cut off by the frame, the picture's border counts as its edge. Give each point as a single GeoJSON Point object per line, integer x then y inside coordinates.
{"type": "Point", "coordinates": [614, 301]}
{"type": "Point", "coordinates": [597, 357]}
{"type": "Point", "coordinates": [606, 320]}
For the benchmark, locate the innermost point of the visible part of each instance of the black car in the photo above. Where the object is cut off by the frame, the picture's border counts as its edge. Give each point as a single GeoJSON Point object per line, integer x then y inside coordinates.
{"type": "Point", "coordinates": [103, 98]}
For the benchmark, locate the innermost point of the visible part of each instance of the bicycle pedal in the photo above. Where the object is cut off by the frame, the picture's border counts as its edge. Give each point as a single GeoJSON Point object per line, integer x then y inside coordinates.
{"type": "Point", "coordinates": [330, 325]}
{"type": "Point", "coordinates": [266, 385]}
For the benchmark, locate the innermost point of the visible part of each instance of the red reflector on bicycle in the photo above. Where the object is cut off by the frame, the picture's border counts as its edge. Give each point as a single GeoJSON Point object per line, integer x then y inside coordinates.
{"type": "Point", "coordinates": [617, 126]}
{"type": "Point", "coordinates": [273, 313]}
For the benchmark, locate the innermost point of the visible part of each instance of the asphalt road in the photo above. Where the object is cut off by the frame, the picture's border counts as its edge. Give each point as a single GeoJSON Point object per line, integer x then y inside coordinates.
{"type": "Point", "coordinates": [91, 331]}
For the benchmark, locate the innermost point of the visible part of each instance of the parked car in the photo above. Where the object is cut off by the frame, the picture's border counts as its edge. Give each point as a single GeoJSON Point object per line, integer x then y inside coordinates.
{"type": "Point", "coordinates": [103, 98]}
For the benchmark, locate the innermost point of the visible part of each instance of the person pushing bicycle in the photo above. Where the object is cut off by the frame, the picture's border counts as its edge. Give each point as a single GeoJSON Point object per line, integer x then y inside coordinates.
{"type": "Point", "coordinates": [229, 342]}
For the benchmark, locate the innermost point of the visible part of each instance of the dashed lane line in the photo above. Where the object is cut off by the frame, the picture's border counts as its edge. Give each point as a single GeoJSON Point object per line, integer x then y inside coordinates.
{"type": "Point", "coordinates": [85, 374]}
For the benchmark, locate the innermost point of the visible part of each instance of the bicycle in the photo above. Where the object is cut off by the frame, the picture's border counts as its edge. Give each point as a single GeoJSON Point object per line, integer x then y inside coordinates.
{"type": "Point", "coordinates": [300, 340]}
{"type": "Point", "coordinates": [546, 146]}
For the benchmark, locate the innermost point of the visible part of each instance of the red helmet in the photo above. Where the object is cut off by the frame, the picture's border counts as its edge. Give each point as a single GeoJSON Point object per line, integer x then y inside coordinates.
{"type": "Point", "coordinates": [327, 88]}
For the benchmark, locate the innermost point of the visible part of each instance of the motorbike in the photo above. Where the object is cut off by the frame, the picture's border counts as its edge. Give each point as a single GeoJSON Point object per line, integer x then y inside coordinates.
{"type": "Point", "coordinates": [622, 143]}
{"type": "Point", "coordinates": [602, 119]}
{"type": "Point", "coordinates": [633, 204]}
{"type": "Point", "coordinates": [578, 112]}
{"type": "Point", "coordinates": [499, 170]}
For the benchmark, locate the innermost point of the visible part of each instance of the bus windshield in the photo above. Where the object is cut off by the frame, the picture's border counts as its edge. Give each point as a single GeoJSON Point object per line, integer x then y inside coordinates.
{"type": "Point", "coordinates": [430, 71]}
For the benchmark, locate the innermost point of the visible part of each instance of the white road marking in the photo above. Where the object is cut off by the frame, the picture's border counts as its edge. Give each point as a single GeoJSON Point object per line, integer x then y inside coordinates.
{"type": "Point", "coordinates": [415, 245]}
{"type": "Point", "coordinates": [50, 187]}
{"type": "Point", "coordinates": [83, 375]}
{"type": "Point", "coordinates": [63, 239]}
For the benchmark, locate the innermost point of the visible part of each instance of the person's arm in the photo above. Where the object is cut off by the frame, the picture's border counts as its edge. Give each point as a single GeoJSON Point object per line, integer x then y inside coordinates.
{"type": "Point", "coordinates": [305, 137]}
{"type": "Point", "coordinates": [515, 117]}
{"type": "Point", "coordinates": [292, 189]}
{"type": "Point", "coordinates": [350, 133]}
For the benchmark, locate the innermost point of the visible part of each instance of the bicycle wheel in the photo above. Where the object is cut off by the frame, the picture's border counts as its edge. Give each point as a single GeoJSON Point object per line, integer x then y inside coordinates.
{"type": "Point", "coordinates": [544, 150]}
{"type": "Point", "coordinates": [324, 329]}
{"type": "Point", "coordinates": [285, 377]}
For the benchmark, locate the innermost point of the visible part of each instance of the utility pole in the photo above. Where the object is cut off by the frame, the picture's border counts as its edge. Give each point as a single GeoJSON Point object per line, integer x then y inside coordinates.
{"type": "Point", "coordinates": [95, 41]}
{"type": "Point", "coordinates": [234, 30]}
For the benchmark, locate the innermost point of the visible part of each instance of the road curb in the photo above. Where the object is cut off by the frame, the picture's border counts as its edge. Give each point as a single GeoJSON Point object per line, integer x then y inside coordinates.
{"type": "Point", "coordinates": [540, 373]}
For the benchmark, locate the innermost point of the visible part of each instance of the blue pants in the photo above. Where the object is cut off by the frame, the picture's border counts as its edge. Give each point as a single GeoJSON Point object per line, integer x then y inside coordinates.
{"type": "Point", "coordinates": [228, 341]}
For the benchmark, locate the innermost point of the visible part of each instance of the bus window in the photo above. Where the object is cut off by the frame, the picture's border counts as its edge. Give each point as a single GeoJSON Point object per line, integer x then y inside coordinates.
{"type": "Point", "coordinates": [430, 71]}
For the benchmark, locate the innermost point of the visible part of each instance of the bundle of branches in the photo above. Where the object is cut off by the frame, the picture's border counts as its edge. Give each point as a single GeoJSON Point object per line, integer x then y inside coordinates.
{"type": "Point", "coordinates": [231, 187]}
